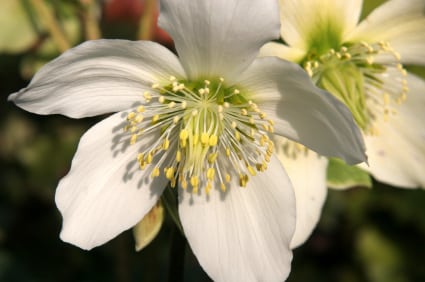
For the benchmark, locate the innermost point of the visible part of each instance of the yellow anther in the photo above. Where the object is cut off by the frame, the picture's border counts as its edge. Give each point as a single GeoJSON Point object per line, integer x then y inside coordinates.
{"type": "Point", "coordinates": [155, 86]}
{"type": "Point", "coordinates": [227, 178]}
{"type": "Point", "coordinates": [213, 140]}
{"type": "Point", "coordinates": [169, 173]}
{"type": "Point", "coordinates": [183, 105]}
{"type": "Point", "coordinates": [244, 112]}
{"type": "Point", "coordinates": [227, 152]}
{"type": "Point", "coordinates": [234, 124]}
{"type": "Point", "coordinates": [183, 183]}
{"type": "Point", "coordinates": [251, 170]}
{"type": "Point", "coordinates": [178, 156]}
{"type": "Point", "coordinates": [171, 105]}
{"type": "Point", "coordinates": [138, 118]}
{"type": "Point", "coordinates": [147, 96]}
{"type": "Point", "coordinates": [166, 144]}
{"type": "Point", "coordinates": [194, 113]}
{"type": "Point", "coordinates": [176, 119]}
{"type": "Point", "coordinates": [172, 78]}
{"type": "Point", "coordinates": [210, 173]}
{"type": "Point", "coordinates": [194, 181]}
{"type": "Point", "coordinates": [223, 187]}
{"type": "Point", "coordinates": [212, 157]}
{"type": "Point", "coordinates": [221, 79]}
{"type": "Point", "coordinates": [204, 138]}
{"type": "Point", "coordinates": [243, 180]}
{"type": "Point", "coordinates": [140, 109]}
{"type": "Point", "coordinates": [131, 115]}
{"type": "Point", "coordinates": [155, 118]}
{"type": "Point", "coordinates": [208, 188]}
{"type": "Point", "coordinates": [184, 134]}
{"type": "Point", "coordinates": [140, 157]}
{"type": "Point", "coordinates": [261, 167]}
{"type": "Point", "coordinates": [161, 99]}
{"type": "Point", "coordinates": [236, 91]}
{"type": "Point", "coordinates": [155, 172]}
{"type": "Point", "coordinates": [149, 158]}
{"type": "Point", "coordinates": [133, 139]}
{"type": "Point", "coordinates": [207, 82]}
{"type": "Point", "coordinates": [195, 139]}
{"type": "Point", "coordinates": [237, 135]}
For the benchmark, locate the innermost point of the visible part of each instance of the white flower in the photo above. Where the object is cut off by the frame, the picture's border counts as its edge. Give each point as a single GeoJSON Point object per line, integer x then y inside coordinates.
{"type": "Point", "coordinates": [361, 64]}
{"type": "Point", "coordinates": [200, 122]}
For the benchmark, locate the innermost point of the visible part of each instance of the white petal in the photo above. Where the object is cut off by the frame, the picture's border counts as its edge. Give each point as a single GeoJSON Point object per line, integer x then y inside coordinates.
{"type": "Point", "coordinates": [105, 192]}
{"type": "Point", "coordinates": [400, 22]}
{"type": "Point", "coordinates": [98, 77]}
{"type": "Point", "coordinates": [307, 172]}
{"type": "Point", "coordinates": [306, 20]}
{"type": "Point", "coordinates": [243, 234]}
{"type": "Point", "coordinates": [301, 111]}
{"type": "Point", "coordinates": [397, 154]}
{"type": "Point", "coordinates": [219, 38]}
{"type": "Point", "coordinates": [282, 51]}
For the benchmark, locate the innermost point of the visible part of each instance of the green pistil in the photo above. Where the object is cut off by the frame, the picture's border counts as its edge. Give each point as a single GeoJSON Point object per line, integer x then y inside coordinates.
{"type": "Point", "coordinates": [346, 82]}
{"type": "Point", "coordinates": [325, 36]}
{"type": "Point", "coordinates": [367, 88]}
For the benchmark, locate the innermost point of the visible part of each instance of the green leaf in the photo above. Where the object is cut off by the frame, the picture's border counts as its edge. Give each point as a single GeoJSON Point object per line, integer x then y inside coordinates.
{"type": "Point", "coordinates": [342, 176]}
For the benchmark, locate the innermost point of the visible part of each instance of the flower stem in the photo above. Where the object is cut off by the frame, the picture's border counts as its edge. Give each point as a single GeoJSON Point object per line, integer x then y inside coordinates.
{"type": "Point", "coordinates": [169, 200]}
{"type": "Point", "coordinates": [51, 23]}
{"type": "Point", "coordinates": [147, 20]}
{"type": "Point", "coordinates": [91, 26]}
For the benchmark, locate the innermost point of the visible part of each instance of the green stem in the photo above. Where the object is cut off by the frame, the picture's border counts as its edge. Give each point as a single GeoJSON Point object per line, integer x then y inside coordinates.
{"type": "Point", "coordinates": [45, 13]}
{"type": "Point", "coordinates": [91, 25]}
{"type": "Point", "coordinates": [147, 20]}
{"type": "Point", "coordinates": [169, 199]}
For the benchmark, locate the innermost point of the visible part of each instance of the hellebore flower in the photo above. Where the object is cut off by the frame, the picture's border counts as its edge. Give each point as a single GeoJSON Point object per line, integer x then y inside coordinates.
{"type": "Point", "coordinates": [362, 65]}
{"type": "Point", "coordinates": [200, 122]}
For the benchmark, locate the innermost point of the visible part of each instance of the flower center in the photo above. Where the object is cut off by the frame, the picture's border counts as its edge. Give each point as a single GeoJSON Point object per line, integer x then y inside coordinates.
{"type": "Point", "coordinates": [208, 134]}
{"type": "Point", "coordinates": [368, 78]}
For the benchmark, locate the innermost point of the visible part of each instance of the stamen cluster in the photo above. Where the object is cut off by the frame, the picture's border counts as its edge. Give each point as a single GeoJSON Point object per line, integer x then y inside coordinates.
{"type": "Point", "coordinates": [368, 78]}
{"type": "Point", "coordinates": [209, 134]}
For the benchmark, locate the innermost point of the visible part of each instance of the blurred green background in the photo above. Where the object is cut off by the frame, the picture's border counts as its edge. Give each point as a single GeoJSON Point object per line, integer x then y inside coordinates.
{"type": "Point", "coordinates": [364, 235]}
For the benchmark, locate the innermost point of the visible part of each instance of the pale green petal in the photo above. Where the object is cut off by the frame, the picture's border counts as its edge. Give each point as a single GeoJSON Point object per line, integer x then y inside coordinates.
{"type": "Point", "coordinates": [147, 229]}
{"type": "Point", "coordinates": [307, 172]}
{"type": "Point", "coordinates": [401, 23]}
{"type": "Point", "coordinates": [320, 24]}
{"type": "Point", "coordinates": [397, 154]}
{"type": "Point", "coordinates": [282, 51]}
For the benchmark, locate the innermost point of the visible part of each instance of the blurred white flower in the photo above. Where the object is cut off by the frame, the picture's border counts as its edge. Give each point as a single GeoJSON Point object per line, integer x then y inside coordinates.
{"type": "Point", "coordinates": [362, 65]}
